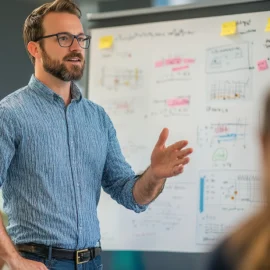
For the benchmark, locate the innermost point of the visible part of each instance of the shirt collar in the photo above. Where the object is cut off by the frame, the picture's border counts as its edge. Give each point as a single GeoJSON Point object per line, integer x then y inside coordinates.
{"type": "Point", "coordinates": [42, 89]}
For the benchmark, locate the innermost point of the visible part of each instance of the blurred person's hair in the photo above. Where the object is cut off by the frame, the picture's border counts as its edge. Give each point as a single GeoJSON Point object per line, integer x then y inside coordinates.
{"type": "Point", "coordinates": [249, 245]}
{"type": "Point", "coordinates": [33, 25]}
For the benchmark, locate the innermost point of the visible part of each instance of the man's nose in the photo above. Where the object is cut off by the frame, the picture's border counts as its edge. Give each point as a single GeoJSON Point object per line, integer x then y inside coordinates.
{"type": "Point", "coordinates": [75, 45]}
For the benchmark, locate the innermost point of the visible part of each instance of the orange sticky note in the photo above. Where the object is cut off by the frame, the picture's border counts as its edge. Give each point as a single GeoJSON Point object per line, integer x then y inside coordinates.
{"type": "Point", "coordinates": [228, 28]}
{"type": "Point", "coordinates": [262, 65]}
{"type": "Point", "coordinates": [267, 28]}
{"type": "Point", "coordinates": [106, 42]}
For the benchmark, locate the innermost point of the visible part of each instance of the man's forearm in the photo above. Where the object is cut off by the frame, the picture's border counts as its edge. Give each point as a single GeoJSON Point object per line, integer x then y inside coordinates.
{"type": "Point", "coordinates": [147, 188]}
{"type": "Point", "coordinates": [8, 252]}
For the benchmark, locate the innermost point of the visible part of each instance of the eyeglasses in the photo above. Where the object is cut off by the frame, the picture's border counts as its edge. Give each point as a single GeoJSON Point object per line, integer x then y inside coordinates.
{"type": "Point", "coordinates": [66, 39]}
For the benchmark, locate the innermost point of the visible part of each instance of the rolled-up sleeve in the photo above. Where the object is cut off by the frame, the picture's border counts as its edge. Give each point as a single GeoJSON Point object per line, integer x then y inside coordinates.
{"type": "Point", "coordinates": [118, 177]}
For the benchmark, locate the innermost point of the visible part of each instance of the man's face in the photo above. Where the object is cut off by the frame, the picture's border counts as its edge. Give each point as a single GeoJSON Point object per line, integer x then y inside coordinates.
{"type": "Point", "coordinates": [64, 63]}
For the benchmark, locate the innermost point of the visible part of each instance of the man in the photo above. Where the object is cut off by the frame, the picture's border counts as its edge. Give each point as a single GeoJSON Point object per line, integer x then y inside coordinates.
{"type": "Point", "coordinates": [57, 149]}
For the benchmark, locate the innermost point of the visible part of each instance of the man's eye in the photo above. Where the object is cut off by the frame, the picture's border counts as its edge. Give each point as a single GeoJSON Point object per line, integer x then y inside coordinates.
{"type": "Point", "coordinates": [63, 38]}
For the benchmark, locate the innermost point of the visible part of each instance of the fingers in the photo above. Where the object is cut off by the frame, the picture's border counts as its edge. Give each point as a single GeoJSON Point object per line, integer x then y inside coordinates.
{"type": "Point", "coordinates": [183, 161]}
{"type": "Point", "coordinates": [162, 138]}
{"type": "Point", "coordinates": [179, 145]}
{"type": "Point", "coordinates": [34, 265]}
{"type": "Point", "coordinates": [41, 266]}
{"type": "Point", "coordinates": [183, 153]}
{"type": "Point", "coordinates": [177, 170]}
{"type": "Point", "coordinates": [181, 157]}
{"type": "Point", "coordinates": [179, 166]}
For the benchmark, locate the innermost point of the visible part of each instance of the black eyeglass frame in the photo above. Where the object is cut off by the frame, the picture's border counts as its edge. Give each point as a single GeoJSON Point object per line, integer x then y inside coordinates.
{"type": "Point", "coordinates": [61, 33]}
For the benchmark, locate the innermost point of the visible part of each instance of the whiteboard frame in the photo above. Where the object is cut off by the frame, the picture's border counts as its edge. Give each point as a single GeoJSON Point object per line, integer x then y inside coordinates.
{"type": "Point", "coordinates": [155, 10]}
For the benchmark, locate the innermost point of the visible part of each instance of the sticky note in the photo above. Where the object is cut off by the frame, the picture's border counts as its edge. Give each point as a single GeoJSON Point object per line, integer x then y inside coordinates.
{"type": "Point", "coordinates": [228, 28]}
{"type": "Point", "coordinates": [267, 29]}
{"type": "Point", "coordinates": [262, 65]}
{"type": "Point", "coordinates": [106, 42]}
{"type": "Point", "coordinates": [178, 102]}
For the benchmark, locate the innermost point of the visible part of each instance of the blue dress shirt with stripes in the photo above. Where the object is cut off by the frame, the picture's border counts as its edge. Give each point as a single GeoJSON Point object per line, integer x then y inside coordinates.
{"type": "Point", "coordinates": [53, 161]}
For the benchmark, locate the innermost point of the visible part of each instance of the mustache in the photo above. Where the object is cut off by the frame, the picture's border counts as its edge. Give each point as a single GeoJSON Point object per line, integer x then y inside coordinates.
{"type": "Point", "coordinates": [73, 54]}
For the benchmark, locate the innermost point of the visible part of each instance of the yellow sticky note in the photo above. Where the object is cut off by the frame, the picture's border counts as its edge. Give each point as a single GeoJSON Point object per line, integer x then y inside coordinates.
{"type": "Point", "coordinates": [228, 28]}
{"type": "Point", "coordinates": [106, 42]}
{"type": "Point", "coordinates": [267, 29]}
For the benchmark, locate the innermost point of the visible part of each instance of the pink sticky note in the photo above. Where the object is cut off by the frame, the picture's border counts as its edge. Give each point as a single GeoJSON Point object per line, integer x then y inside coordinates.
{"type": "Point", "coordinates": [180, 68]}
{"type": "Point", "coordinates": [159, 64]}
{"type": "Point", "coordinates": [262, 65]}
{"type": "Point", "coordinates": [176, 102]}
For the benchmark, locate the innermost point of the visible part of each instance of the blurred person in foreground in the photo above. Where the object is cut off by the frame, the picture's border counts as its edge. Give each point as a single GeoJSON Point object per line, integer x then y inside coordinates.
{"type": "Point", "coordinates": [248, 247]}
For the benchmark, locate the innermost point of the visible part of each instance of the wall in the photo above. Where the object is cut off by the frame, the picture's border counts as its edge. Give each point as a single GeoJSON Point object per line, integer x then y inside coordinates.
{"type": "Point", "coordinates": [16, 67]}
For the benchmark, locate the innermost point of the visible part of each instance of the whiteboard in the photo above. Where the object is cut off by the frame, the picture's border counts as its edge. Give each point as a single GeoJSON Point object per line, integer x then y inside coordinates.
{"type": "Point", "coordinates": [205, 88]}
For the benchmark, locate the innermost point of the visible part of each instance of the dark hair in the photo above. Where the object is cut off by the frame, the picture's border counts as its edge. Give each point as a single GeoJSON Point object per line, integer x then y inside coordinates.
{"type": "Point", "coordinates": [33, 28]}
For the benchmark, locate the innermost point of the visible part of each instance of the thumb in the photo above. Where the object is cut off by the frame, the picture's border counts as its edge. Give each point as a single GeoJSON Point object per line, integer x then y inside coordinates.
{"type": "Point", "coordinates": [162, 138]}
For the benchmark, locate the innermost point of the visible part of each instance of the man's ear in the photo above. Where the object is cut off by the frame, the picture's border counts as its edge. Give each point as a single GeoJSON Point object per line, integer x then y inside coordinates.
{"type": "Point", "coordinates": [34, 49]}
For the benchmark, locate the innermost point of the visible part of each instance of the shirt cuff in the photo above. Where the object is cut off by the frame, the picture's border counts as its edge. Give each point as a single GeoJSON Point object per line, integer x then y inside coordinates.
{"type": "Point", "coordinates": [138, 208]}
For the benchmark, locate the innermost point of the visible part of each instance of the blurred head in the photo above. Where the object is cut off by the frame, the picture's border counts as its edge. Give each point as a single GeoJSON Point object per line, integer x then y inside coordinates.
{"type": "Point", "coordinates": [249, 245]}
{"type": "Point", "coordinates": [55, 40]}
{"type": "Point", "coordinates": [265, 143]}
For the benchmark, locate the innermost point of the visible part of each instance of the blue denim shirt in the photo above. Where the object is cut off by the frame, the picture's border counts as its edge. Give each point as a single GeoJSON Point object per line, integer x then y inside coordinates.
{"type": "Point", "coordinates": [53, 161]}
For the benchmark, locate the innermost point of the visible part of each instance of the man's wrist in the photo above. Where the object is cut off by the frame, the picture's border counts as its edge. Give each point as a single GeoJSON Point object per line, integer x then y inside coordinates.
{"type": "Point", "coordinates": [153, 179]}
{"type": "Point", "coordinates": [12, 259]}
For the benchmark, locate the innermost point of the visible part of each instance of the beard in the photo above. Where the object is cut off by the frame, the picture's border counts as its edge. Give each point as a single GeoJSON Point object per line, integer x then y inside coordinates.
{"type": "Point", "coordinates": [60, 70]}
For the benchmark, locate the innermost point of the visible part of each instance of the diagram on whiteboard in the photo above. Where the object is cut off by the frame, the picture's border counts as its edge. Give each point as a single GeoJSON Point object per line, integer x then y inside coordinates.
{"type": "Point", "coordinates": [173, 68]}
{"type": "Point", "coordinates": [124, 110]}
{"type": "Point", "coordinates": [124, 106]}
{"type": "Point", "coordinates": [136, 153]}
{"type": "Point", "coordinates": [225, 197]}
{"type": "Point", "coordinates": [228, 58]}
{"type": "Point", "coordinates": [229, 90]}
{"type": "Point", "coordinates": [167, 214]}
{"type": "Point", "coordinates": [163, 216]}
{"type": "Point", "coordinates": [174, 33]}
{"type": "Point", "coordinates": [231, 86]}
{"type": "Point", "coordinates": [218, 134]}
{"type": "Point", "coordinates": [118, 53]}
{"type": "Point", "coordinates": [121, 79]}
{"type": "Point", "coordinates": [131, 148]}
{"type": "Point", "coordinates": [177, 106]}
{"type": "Point", "coordinates": [223, 143]}
{"type": "Point", "coordinates": [229, 75]}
